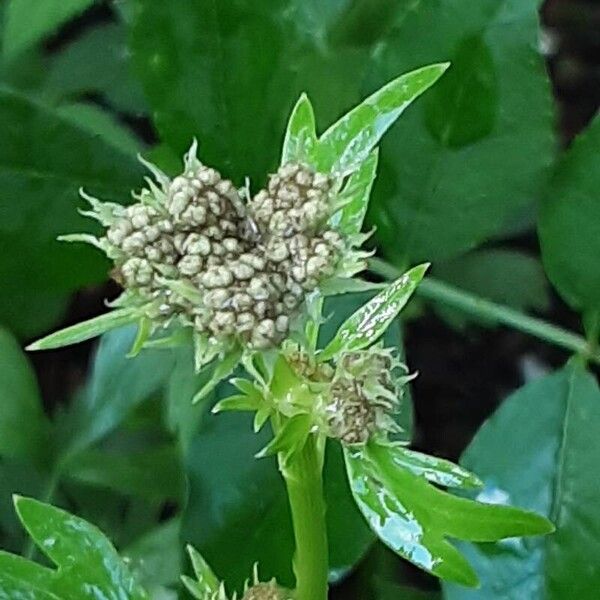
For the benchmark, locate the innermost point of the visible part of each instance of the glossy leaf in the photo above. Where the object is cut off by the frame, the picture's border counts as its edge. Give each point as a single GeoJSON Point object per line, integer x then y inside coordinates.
{"type": "Point", "coordinates": [489, 119]}
{"type": "Point", "coordinates": [300, 140]}
{"type": "Point", "coordinates": [88, 565]}
{"type": "Point", "coordinates": [347, 143]}
{"type": "Point", "coordinates": [436, 470]}
{"type": "Point", "coordinates": [548, 466]}
{"type": "Point", "coordinates": [356, 195]}
{"type": "Point", "coordinates": [414, 518]}
{"type": "Point", "coordinates": [23, 426]}
{"type": "Point", "coordinates": [87, 329]}
{"type": "Point", "coordinates": [567, 226]}
{"type": "Point", "coordinates": [29, 21]}
{"type": "Point", "coordinates": [369, 322]}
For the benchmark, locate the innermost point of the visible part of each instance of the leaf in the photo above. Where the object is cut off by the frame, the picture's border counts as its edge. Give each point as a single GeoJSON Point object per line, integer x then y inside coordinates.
{"type": "Point", "coordinates": [154, 474]}
{"type": "Point", "coordinates": [300, 140]}
{"type": "Point", "coordinates": [567, 224]}
{"type": "Point", "coordinates": [436, 470]}
{"type": "Point", "coordinates": [356, 195]}
{"type": "Point", "coordinates": [88, 565]}
{"type": "Point", "coordinates": [223, 369]}
{"type": "Point", "coordinates": [490, 119]}
{"type": "Point", "coordinates": [347, 143]}
{"type": "Point", "coordinates": [27, 22]}
{"type": "Point", "coordinates": [88, 329]}
{"type": "Point", "coordinates": [101, 124]}
{"type": "Point", "coordinates": [290, 439]}
{"type": "Point", "coordinates": [369, 322]}
{"type": "Point", "coordinates": [413, 517]}
{"type": "Point", "coordinates": [206, 582]}
{"type": "Point", "coordinates": [23, 426]}
{"type": "Point", "coordinates": [237, 501]}
{"type": "Point", "coordinates": [44, 160]}
{"type": "Point", "coordinates": [343, 285]}
{"type": "Point", "coordinates": [549, 467]}
{"type": "Point", "coordinates": [97, 62]}
{"type": "Point", "coordinates": [504, 276]}
{"type": "Point", "coordinates": [115, 386]}
{"type": "Point", "coordinates": [236, 93]}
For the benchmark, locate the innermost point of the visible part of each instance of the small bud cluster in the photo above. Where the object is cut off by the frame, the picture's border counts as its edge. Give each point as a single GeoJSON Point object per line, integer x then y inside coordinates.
{"type": "Point", "coordinates": [264, 591]}
{"type": "Point", "coordinates": [193, 250]}
{"type": "Point", "coordinates": [364, 395]}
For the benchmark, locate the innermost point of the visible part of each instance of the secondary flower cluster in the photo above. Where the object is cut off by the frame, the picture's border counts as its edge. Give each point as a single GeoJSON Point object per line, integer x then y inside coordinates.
{"type": "Point", "coordinates": [194, 250]}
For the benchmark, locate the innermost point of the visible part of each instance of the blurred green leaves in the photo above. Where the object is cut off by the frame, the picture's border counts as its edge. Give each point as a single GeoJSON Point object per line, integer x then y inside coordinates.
{"type": "Point", "coordinates": [540, 450]}
{"type": "Point", "coordinates": [88, 565]}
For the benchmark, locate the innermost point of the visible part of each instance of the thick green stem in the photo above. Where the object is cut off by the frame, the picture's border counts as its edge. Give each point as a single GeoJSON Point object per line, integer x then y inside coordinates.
{"type": "Point", "coordinates": [439, 291]}
{"type": "Point", "coordinates": [304, 480]}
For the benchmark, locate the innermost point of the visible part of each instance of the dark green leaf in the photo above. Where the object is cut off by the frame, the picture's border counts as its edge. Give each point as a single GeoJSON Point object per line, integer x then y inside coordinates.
{"type": "Point", "coordinates": [27, 22]}
{"type": "Point", "coordinates": [23, 426]}
{"type": "Point", "coordinates": [88, 565]}
{"type": "Point", "coordinates": [477, 147]}
{"type": "Point", "coordinates": [370, 321]}
{"type": "Point", "coordinates": [505, 276]}
{"type": "Point", "coordinates": [548, 465]}
{"type": "Point", "coordinates": [348, 143]}
{"type": "Point", "coordinates": [568, 223]}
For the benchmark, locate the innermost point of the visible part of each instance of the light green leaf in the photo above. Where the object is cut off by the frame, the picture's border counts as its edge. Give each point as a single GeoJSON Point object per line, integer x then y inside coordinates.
{"type": "Point", "coordinates": [489, 119]}
{"type": "Point", "coordinates": [437, 470]}
{"type": "Point", "coordinates": [206, 583]}
{"type": "Point", "coordinates": [223, 369]}
{"type": "Point", "coordinates": [356, 194]}
{"type": "Point", "coordinates": [413, 517]}
{"type": "Point", "coordinates": [23, 426]}
{"type": "Point", "coordinates": [347, 143]}
{"type": "Point", "coordinates": [27, 22]}
{"type": "Point", "coordinates": [290, 439]}
{"type": "Point", "coordinates": [345, 285]}
{"type": "Point", "coordinates": [548, 466]}
{"type": "Point", "coordinates": [568, 223]}
{"type": "Point", "coordinates": [88, 329]}
{"type": "Point", "coordinates": [370, 321]}
{"type": "Point", "coordinates": [88, 565]}
{"type": "Point", "coordinates": [300, 140]}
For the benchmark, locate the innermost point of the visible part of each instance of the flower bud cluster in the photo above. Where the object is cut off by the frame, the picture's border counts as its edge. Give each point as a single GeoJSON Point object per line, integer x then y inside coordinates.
{"type": "Point", "coordinates": [363, 396]}
{"type": "Point", "coordinates": [193, 250]}
{"type": "Point", "coordinates": [264, 591]}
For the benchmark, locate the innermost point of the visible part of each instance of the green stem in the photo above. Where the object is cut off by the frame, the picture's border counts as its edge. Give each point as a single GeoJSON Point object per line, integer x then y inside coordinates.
{"type": "Point", "coordinates": [439, 291]}
{"type": "Point", "coordinates": [304, 480]}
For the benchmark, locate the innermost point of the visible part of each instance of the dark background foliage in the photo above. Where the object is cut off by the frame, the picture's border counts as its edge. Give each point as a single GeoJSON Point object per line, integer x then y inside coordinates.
{"type": "Point", "coordinates": [466, 179]}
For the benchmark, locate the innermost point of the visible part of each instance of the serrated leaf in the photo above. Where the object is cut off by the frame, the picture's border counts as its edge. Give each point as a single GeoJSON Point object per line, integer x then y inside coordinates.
{"type": "Point", "coordinates": [413, 517]}
{"type": "Point", "coordinates": [29, 21]}
{"type": "Point", "coordinates": [88, 329]}
{"type": "Point", "coordinates": [88, 565]}
{"type": "Point", "coordinates": [347, 143]}
{"type": "Point", "coordinates": [370, 321]}
{"type": "Point", "coordinates": [300, 136]}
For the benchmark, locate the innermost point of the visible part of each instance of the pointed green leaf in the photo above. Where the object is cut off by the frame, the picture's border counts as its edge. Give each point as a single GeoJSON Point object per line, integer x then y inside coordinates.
{"type": "Point", "coordinates": [88, 329]}
{"type": "Point", "coordinates": [290, 438]}
{"type": "Point", "coordinates": [370, 321]}
{"type": "Point", "coordinates": [223, 369]}
{"type": "Point", "coordinates": [347, 143]}
{"type": "Point", "coordinates": [143, 333]}
{"type": "Point", "coordinates": [88, 566]}
{"type": "Point", "coordinates": [356, 194]}
{"type": "Point", "coordinates": [300, 135]}
{"type": "Point", "coordinates": [206, 582]}
{"type": "Point", "coordinates": [550, 466]}
{"type": "Point", "coordinates": [344, 285]}
{"type": "Point", "coordinates": [237, 402]}
{"type": "Point", "coordinates": [437, 470]}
